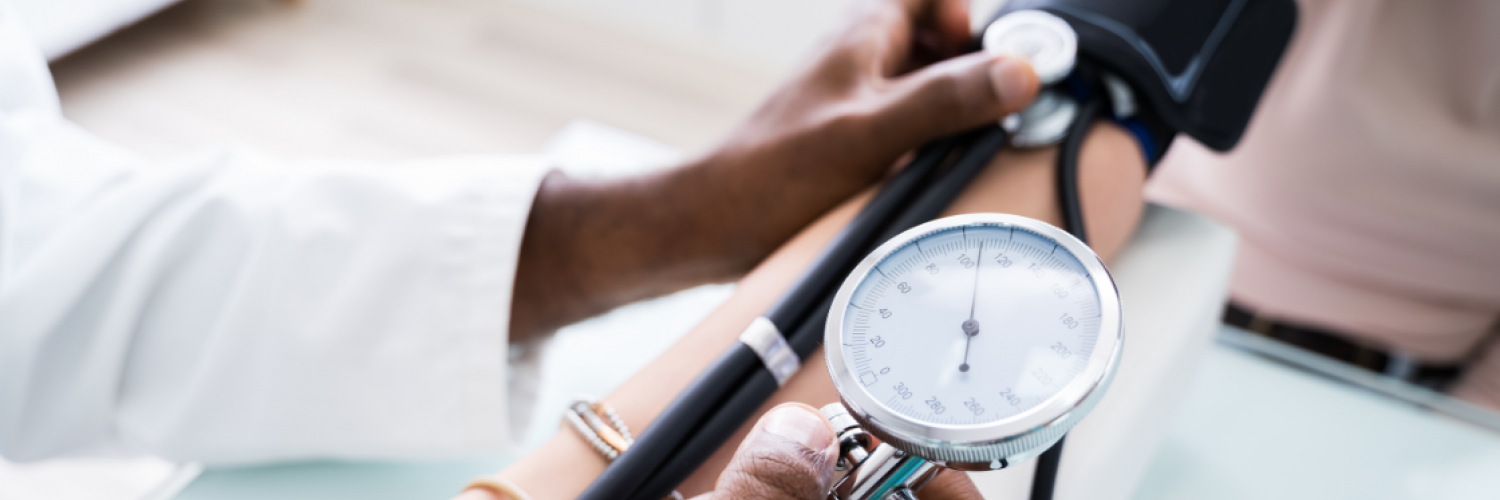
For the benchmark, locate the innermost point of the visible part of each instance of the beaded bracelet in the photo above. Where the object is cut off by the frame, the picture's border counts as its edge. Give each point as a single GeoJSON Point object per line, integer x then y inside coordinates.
{"type": "Point", "coordinates": [584, 416]}
{"type": "Point", "coordinates": [588, 418]}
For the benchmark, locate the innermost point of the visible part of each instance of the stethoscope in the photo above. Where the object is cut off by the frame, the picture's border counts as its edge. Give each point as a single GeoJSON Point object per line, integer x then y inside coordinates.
{"type": "Point", "coordinates": [1049, 333]}
{"type": "Point", "coordinates": [910, 406]}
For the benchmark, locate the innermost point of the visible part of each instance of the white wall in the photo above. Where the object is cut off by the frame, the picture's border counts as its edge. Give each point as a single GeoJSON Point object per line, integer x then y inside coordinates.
{"type": "Point", "coordinates": [771, 32]}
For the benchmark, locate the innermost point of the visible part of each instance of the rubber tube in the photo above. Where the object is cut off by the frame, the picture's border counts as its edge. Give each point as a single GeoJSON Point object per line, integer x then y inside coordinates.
{"type": "Point", "coordinates": [736, 410]}
{"type": "Point", "coordinates": [1068, 197]}
{"type": "Point", "coordinates": [691, 408]}
{"type": "Point", "coordinates": [1044, 480]}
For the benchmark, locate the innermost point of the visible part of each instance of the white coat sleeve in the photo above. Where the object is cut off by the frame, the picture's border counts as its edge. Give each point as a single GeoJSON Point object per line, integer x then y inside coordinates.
{"type": "Point", "coordinates": [229, 307]}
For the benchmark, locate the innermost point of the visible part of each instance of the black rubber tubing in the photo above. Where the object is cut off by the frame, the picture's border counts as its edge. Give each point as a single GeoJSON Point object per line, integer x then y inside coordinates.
{"type": "Point", "coordinates": [759, 385]}
{"type": "Point", "coordinates": [1068, 197]}
{"type": "Point", "coordinates": [849, 245]}
{"type": "Point", "coordinates": [1044, 480]}
{"type": "Point", "coordinates": [736, 410]}
{"type": "Point", "coordinates": [748, 397]}
{"type": "Point", "coordinates": [692, 407]}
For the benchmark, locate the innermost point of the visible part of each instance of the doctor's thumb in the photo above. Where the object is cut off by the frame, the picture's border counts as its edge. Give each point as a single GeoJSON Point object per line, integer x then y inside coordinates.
{"type": "Point", "coordinates": [790, 454]}
{"type": "Point", "coordinates": [955, 95]}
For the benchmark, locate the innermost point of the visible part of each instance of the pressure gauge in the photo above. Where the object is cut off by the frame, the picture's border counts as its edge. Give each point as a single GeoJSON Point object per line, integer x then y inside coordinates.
{"type": "Point", "coordinates": [973, 342]}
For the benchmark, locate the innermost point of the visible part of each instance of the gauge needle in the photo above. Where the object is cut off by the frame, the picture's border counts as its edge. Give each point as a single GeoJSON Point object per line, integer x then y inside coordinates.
{"type": "Point", "coordinates": [970, 326]}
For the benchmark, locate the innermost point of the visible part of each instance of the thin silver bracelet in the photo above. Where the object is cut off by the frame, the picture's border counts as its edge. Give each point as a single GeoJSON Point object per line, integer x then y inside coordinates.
{"type": "Point", "coordinates": [587, 416]}
{"type": "Point", "coordinates": [589, 435]}
{"type": "Point", "coordinates": [615, 420]}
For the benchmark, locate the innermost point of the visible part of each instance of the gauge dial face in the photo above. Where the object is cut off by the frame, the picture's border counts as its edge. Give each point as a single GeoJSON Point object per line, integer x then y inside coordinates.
{"type": "Point", "coordinates": [971, 324]}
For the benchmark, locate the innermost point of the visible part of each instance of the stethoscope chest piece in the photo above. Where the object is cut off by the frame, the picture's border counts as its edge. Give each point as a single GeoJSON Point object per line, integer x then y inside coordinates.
{"type": "Point", "coordinates": [1051, 46]}
{"type": "Point", "coordinates": [1045, 40]}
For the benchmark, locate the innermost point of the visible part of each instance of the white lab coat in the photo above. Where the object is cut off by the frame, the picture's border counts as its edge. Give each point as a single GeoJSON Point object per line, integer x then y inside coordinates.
{"type": "Point", "coordinates": [229, 307]}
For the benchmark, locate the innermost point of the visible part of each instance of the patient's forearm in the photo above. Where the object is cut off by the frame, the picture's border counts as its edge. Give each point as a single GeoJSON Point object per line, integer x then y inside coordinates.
{"type": "Point", "coordinates": [1019, 182]}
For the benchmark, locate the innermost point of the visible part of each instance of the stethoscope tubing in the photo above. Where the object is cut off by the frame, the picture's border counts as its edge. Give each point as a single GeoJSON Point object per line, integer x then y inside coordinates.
{"type": "Point", "coordinates": [709, 393]}
{"type": "Point", "coordinates": [718, 402]}
{"type": "Point", "coordinates": [733, 412]}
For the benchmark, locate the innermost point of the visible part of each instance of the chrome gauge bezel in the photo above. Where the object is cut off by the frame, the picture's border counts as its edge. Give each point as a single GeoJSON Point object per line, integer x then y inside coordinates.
{"type": "Point", "coordinates": [990, 445]}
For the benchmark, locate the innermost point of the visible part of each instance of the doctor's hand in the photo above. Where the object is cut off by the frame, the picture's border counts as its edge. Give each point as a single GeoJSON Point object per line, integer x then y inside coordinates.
{"type": "Point", "coordinates": [791, 455]}
{"type": "Point", "coordinates": [890, 80]}
{"type": "Point", "coordinates": [894, 78]}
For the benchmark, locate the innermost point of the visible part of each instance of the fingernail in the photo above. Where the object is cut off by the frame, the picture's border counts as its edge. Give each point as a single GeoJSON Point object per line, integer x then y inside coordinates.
{"type": "Point", "coordinates": [1013, 80]}
{"type": "Point", "coordinates": [800, 424]}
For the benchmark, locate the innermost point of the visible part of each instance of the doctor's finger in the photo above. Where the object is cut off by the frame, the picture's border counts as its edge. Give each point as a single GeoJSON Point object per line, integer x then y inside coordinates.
{"type": "Point", "coordinates": [885, 33]}
{"type": "Point", "coordinates": [790, 454]}
{"type": "Point", "coordinates": [952, 96]}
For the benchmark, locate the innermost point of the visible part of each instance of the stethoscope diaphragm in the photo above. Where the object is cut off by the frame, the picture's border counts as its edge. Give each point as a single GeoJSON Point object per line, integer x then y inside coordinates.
{"type": "Point", "coordinates": [1045, 122]}
{"type": "Point", "coordinates": [1051, 46]}
{"type": "Point", "coordinates": [1045, 40]}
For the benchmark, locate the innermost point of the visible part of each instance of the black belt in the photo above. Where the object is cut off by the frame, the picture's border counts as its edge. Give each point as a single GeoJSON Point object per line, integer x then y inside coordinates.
{"type": "Point", "coordinates": [1337, 346]}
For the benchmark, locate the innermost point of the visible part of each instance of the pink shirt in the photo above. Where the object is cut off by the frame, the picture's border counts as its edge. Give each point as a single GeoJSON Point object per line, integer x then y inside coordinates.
{"type": "Point", "coordinates": [1367, 189]}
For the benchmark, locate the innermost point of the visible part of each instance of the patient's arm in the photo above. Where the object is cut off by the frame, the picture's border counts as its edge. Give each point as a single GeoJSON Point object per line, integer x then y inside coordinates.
{"type": "Point", "coordinates": [1019, 182]}
{"type": "Point", "coordinates": [834, 128]}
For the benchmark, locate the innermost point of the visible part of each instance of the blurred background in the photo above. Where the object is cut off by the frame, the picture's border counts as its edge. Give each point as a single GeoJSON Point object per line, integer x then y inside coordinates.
{"type": "Point", "coordinates": [610, 87]}
{"type": "Point", "coordinates": [396, 79]}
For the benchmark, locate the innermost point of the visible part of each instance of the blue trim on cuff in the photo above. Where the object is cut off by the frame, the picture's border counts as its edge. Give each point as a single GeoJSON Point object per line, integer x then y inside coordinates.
{"type": "Point", "coordinates": [1142, 137]}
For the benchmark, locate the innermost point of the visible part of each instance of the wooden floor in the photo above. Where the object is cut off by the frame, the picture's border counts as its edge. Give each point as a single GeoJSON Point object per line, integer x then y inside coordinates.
{"type": "Point", "coordinates": [392, 79]}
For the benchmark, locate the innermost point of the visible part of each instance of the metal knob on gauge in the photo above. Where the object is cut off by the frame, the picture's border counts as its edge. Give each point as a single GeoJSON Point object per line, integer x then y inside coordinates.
{"type": "Point", "coordinates": [972, 342]}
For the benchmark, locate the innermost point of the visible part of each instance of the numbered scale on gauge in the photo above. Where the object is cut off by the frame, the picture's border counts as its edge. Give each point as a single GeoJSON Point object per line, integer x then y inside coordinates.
{"type": "Point", "coordinates": [971, 324]}
{"type": "Point", "coordinates": [971, 342]}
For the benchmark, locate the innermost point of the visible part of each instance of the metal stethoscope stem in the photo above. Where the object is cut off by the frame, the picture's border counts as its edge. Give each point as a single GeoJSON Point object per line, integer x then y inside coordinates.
{"type": "Point", "coordinates": [883, 472]}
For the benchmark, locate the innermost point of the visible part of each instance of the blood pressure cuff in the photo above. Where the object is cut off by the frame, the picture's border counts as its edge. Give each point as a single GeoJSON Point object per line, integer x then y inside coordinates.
{"type": "Point", "coordinates": [1197, 67]}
